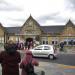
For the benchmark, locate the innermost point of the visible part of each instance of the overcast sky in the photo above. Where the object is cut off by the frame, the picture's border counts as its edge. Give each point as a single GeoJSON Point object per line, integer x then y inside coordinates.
{"type": "Point", "coordinates": [45, 12]}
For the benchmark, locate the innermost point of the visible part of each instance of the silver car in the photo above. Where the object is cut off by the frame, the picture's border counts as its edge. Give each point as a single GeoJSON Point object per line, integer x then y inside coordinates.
{"type": "Point", "coordinates": [44, 51]}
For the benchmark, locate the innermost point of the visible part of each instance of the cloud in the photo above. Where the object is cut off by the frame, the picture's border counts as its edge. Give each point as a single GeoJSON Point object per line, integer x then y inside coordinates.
{"type": "Point", "coordinates": [47, 17]}
{"type": "Point", "coordinates": [70, 4]}
{"type": "Point", "coordinates": [3, 2]}
{"type": "Point", "coordinates": [56, 17]}
{"type": "Point", "coordinates": [60, 20]}
{"type": "Point", "coordinates": [19, 19]}
{"type": "Point", "coordinates": [13, 25]}
{"type": "Point", "coordinates": [5, 6]}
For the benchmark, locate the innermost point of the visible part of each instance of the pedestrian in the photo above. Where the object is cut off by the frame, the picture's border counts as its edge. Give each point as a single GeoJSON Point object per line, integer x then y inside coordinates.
{"type": "Point", "coordinates": [61, 46]}
{"type": "Point", "coordinates": [10, 59]}
{"type": "Point", "coordinates": [27, 59]}
{"type": "Point", "coordinates": [26, 45]}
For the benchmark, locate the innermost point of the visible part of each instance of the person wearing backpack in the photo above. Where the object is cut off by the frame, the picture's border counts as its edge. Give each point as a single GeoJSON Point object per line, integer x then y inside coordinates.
{"type": "Point", "coordinates": [27, 64]}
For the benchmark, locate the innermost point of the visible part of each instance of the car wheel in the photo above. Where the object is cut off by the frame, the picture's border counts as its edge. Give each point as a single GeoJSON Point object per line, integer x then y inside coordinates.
{"type": "Point", "coordinates": [51, 56]}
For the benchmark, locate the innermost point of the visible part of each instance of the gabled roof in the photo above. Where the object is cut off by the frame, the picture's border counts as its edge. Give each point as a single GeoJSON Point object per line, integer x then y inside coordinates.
{"type": "Point", "coordinates": [15, 30]}
{"type": "Point", "coordinates": [35, 22]}
{"type": "Point", "coordinates": [31, 18]}
{"type": "Point", "coordinates": [45, 29]}
{"type": "Point", "coordinates": [69, 23]}
{"type": "Point", "coordinates": [52, 29]}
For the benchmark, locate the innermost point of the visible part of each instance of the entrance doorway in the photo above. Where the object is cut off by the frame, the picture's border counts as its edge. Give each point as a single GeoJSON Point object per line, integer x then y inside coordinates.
{"type": "Point", "coordinates": [29, 39]}
{"type": "Point", "coordinates": [29, 43]}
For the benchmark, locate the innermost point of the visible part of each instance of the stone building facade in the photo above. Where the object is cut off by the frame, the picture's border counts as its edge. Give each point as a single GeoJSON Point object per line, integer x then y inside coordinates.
{"type": "Point", "coordinates": [42, 34]}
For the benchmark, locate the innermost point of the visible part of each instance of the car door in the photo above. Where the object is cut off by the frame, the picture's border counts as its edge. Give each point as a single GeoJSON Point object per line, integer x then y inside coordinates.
{"type": "Point", "coordinates": [37, 51]}
{"type": "Point", "coordinates": [45, 51]}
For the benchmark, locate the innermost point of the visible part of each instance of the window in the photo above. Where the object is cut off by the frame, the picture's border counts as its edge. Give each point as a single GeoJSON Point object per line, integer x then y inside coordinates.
{"type": "Point", "coordinates": [56, 42]}
{"type": "Point", "coordinates": [74, 42]}
{"type": "Point", "coordinates": [52, 42]}
{"type": "Point", "coordinates": [1, 39]}
{"type": "Point", "coordinates": [44, 40]}
{"type": "Point", "coordinates": [39, 48]}
{"type": "Point", "coordinates": [46, 48]}
{"type": "Point", "coordinates": [65, 43]}
{"type": "Point", "coordinates": [71, 42]}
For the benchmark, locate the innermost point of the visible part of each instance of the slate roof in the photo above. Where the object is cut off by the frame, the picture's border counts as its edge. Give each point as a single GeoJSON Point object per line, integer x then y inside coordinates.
{"type": "Point", "coordinates": [52, 29]}
{"type": "Point", "coordinates": [46, 29]}
{"type": "Point", "coordinates": [15, 30]}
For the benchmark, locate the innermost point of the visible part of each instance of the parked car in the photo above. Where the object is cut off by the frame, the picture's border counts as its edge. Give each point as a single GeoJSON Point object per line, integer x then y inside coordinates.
{"type": "Point", "coordinates": [44, 51]}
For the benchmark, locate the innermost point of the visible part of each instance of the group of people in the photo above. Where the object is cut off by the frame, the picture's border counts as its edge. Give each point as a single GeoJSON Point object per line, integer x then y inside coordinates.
{"type": "Point", "coordinates": [11, 61]}
{"type": "Point", "coordinates": [25, 45]}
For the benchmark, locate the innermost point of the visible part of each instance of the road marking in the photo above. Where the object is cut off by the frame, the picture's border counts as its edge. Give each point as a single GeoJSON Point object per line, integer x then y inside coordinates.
{"type": "Point", "coordinates": [66, 66]}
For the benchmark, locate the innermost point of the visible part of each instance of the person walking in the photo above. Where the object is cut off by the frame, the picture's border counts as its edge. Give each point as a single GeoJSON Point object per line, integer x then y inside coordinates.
{"type": "Point", "coordinates": [61, 46]}
{"type": "Point", "coordinates": [24, 65]}
{"type": "Point", "coordinates": [10, 59]}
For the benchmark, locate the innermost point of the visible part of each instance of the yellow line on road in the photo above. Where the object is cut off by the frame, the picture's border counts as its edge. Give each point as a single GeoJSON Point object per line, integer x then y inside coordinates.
{"type": "Point", "coordinates": [66, 66]}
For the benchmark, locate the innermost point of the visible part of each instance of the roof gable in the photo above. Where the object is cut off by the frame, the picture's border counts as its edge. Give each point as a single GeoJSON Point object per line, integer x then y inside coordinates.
{"type": "Point", "coordinates": [31, 24]}
{"type": "Point", "coordinates": [69, 23]}
{"type": "Point", "coordinates": [31, 19]}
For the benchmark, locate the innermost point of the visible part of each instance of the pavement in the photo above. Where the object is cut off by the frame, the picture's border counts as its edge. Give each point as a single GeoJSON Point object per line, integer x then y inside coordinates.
{"type": "Point", "coordinates": [67, 69]}
{"type": "Point", "coordinates": [55, 69]}
{"type": "Point", "coordinates": [52, 69]}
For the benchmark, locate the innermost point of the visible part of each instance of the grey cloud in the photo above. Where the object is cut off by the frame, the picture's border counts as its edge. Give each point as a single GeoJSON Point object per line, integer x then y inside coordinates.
{"type": "Point", "coordinates": [15, 25]}
{"type": "Point", "coordinates": [3, 2]}
{"type": "Point", "coordinates": [21, 20]}
{"type": "Point", "coordinates": [61, 20]}
{"type": "Point", "coordinates": [55, 17]}
{"type": "Point", "coordinates": [47, 17]}
{"type": "Point", "coordinates": [9, 9]}
{"type": "Point", "coordinates": [4, 6]}
{"type": "Point", "coordinates": [16, 19]}
{"type": "Point", "coordinates": [70, 4]}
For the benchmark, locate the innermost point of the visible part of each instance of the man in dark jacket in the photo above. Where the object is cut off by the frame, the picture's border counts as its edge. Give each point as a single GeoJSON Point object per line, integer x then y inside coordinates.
{"type": "Point", "coordinates": [10, 59]}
